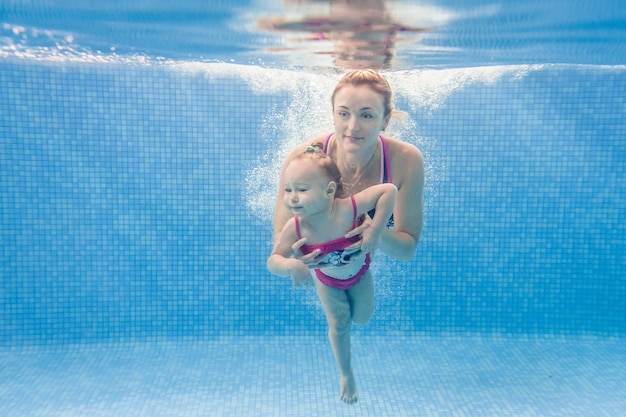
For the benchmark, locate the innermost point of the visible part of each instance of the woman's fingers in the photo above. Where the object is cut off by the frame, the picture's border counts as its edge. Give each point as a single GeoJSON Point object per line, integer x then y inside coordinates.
{"type": "Point", "coordinates": [367, 221]}
{"type": "Point", "coordinates": [354, 249]}
{"type": "Point", "coordinates": [311, 259]}
{"type": "Point", "coordinates": [295, 248]}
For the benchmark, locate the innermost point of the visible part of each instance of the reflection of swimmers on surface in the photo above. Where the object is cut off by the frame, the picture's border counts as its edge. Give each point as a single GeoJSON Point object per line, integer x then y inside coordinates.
{"type": "Point", "coordinates": [321, 219]}
{"type": "Point", "coordinates": [362, 31]}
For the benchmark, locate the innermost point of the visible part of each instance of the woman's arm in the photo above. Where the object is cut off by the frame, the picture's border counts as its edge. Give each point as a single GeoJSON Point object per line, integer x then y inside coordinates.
{"type": "Point", "coordinates": [382, 198]}
{"type": "Point", "coordinates": [408, 174]}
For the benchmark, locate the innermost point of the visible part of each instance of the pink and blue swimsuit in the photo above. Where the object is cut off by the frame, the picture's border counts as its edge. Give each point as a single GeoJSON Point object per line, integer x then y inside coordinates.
{"type": "Point", "coordinates": [336, 256]}
{"type": "Point", "coordinates": [335, 248]}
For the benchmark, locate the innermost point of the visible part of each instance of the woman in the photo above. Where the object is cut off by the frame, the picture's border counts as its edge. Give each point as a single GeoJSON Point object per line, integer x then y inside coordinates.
{"type": "Point", "coordinates": [362, 105]}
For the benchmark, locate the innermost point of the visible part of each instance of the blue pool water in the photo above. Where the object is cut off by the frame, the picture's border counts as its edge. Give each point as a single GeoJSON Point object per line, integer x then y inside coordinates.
{"type": "Point", "coordinates": [138, 163]}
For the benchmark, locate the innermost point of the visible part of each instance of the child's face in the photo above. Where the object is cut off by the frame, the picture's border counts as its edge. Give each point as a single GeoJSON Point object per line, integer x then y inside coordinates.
{"type": "Point", "coordinates": [306, 189]}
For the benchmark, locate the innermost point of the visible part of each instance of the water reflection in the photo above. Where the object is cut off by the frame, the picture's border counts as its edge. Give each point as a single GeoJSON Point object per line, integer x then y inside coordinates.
{"type": "Point", "coordinates": [356, 33]}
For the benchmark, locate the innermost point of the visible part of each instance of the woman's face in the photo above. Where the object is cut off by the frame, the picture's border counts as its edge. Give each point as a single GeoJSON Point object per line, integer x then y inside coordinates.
{"type": "Point", "coordinates": [358, 114]}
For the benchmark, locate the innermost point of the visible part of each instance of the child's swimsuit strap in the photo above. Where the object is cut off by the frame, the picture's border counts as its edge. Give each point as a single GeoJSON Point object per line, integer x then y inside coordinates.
{"type": "Point", "coordinates": [295, 218]}
{"type": "Point", "coordinates": [354, 212]}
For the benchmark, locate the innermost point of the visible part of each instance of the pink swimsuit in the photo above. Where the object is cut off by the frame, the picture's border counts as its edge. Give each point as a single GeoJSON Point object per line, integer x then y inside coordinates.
{"type": "Point", "coordinates": [337, 257]}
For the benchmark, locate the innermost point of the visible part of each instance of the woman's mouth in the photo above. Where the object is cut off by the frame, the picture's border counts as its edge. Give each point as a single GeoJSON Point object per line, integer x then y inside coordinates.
{"type": "Point", "coordinates": [352, 138]}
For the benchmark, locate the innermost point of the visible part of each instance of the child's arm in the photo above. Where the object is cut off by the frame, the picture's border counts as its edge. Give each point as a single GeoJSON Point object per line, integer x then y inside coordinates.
{"type": "Point", "coordinates": [381, 197]}
{"type": "Point", "coordinates": [280, 261]}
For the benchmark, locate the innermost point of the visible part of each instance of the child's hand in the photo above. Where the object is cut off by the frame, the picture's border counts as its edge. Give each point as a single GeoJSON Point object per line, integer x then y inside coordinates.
{"type": "Point", "coordinates": [300, 275]}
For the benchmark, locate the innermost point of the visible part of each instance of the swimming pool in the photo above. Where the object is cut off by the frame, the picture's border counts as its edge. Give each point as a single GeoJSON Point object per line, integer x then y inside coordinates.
{"type": "Point", "coordinates": [138, 174]}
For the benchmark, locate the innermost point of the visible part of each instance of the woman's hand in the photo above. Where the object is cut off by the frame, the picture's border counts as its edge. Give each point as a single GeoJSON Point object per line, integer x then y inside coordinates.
{"type": "Point", "coordinates": [315, 259]}
{"type": "Point", "coordinates": [369, 237]}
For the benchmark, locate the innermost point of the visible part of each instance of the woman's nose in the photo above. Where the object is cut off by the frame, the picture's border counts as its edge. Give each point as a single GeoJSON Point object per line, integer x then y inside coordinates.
{"type": "Point", "coordinates": [352, 124]}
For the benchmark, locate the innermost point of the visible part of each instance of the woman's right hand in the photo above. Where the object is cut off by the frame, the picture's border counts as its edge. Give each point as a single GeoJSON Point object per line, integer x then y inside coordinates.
{"type": "Point", "coordinates": [312, 260]}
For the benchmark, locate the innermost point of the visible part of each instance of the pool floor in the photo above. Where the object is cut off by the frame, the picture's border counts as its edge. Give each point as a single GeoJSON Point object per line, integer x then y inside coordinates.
{"type": "Point", "coordinates": [296, 376]}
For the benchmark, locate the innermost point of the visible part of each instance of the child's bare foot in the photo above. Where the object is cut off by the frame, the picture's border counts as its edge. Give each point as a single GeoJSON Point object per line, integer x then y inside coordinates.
{"type": "Point", "coordinates": [348, 389]}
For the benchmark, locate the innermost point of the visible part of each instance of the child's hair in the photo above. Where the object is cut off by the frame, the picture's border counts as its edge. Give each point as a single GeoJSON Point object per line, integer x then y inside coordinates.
{"type": "Point", "coordinates": [315, 152]}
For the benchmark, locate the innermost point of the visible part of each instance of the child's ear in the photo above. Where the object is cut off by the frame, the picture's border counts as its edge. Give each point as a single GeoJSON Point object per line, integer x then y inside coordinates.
{"type": "Point", "coordinates": [331, 188]}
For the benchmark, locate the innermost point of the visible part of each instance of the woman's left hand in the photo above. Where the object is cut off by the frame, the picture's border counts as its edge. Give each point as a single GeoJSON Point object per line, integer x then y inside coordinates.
{"type": "Point", "coordinates": [369, 241]}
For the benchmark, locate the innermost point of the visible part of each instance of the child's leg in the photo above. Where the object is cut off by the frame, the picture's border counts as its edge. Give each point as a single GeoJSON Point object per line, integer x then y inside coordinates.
{"type": "Point", "coordinates": [339, 307]}
{"type": "Point", "coordinates": [361, 299]}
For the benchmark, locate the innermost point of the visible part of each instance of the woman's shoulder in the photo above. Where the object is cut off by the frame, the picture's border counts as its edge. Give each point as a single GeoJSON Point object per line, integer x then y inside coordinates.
{"type": "Point", "coordinates": [399, 151]}
{"type": "Point", "coordinates": [406, 162]}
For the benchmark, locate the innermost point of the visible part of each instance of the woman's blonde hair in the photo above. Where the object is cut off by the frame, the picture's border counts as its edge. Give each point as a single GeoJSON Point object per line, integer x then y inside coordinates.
{"type": "Point", "coordinates": [373, 80]}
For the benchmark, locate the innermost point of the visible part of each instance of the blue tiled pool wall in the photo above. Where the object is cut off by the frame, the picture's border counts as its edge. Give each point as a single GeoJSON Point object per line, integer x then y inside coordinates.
{"type": "Point", "coordinates": [124, 214]}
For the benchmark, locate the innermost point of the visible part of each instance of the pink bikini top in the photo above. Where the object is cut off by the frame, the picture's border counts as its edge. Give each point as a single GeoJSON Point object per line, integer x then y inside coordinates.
{"type": "Point", "coordinates": [385, 166]}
